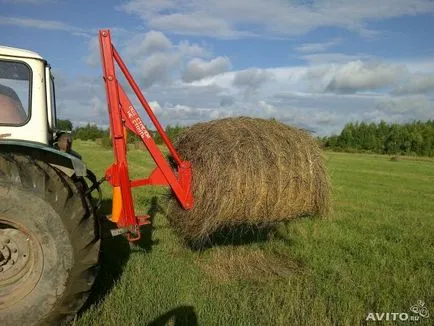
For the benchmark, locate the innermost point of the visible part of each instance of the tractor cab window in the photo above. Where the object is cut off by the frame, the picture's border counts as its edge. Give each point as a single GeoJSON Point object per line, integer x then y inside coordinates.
{"type": "Point", "coordinates": [14, 92]}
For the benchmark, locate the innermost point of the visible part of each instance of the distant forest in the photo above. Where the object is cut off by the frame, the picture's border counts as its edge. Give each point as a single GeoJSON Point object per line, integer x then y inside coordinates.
{"type": "Point", "coordinates": [93, 132]}
{"type": "Point", "coordinates": [416, 138]}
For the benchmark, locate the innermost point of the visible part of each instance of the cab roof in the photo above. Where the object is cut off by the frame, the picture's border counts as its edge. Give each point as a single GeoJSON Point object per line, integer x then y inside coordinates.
{"type": "Point", "coordinates": [15, 52]}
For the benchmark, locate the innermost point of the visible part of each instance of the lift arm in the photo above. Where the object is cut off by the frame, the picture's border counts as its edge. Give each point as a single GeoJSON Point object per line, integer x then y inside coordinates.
{"type": "Point", "coordinates": [123, 117]}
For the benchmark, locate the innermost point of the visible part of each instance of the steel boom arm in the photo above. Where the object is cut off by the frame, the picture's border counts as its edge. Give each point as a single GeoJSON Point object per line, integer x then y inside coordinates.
{"type": "Point", "coordinates": [123, 116]}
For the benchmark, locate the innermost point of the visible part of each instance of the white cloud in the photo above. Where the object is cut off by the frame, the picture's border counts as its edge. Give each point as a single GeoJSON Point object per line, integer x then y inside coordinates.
{"type": "Point", "coordinates": [155, 106]}
{"type": "Point", "coordinates": [228, 18]}
{"type": "Point", "coordinates": [226, 100]}
{"type": "Point", "coordinates": [198, 69]}
{"type": "Point", "coordinates": [251, 80]}
{"type": "Point", "coordinates": [417, 65]}
{"type": "Point", "coordinates": [405, 108]}
{"type": "Point", "coordinates": [158, 60]}
{"type": "Point", "coordinates": [252, 77]}
{"type": "Point", "coordinates": [193, 24]}
{"type": "Point", "coordinates": [98, 106]}
{"type": "Point", "coordinates": [188, 50]}
{"type": "Point", "coordinates": [351, 77]}
{"type": "Point", "coordinates": [156, 69]}
{"type": "Point", "coordinates": [147, 43]}
{"type": "Point", "coordinates": [39, 23]}
{"type": "Point", "coordinates": [269, 109]}
{"type": "Point", "coordinates": [187, 94]}
{"type": "Point", "coordinates": [331, 57]}
{"type": "Point", "coordinates": [370, 75]}
{"type": "Point", "coordinates": [27, 2]}
{"type": "Point", "coordinates": [361, 76]}
{"type": "Point", "coordinates": [317, 47]}
{"type": "Point", "coordinates": [416, 84]}
{"type": "Point", "coordinates": [93, 58]}
{"type": "Point", "coordinates": [184, 114]}
{"type": "Point", "coordinates": [81, 99]}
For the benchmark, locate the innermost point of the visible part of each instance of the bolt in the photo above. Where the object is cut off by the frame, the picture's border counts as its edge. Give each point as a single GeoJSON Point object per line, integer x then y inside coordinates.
{"type": "Point", "coordinates": [104, 33]}
{"type": "Point", "coordinates": [14, 250]}
{"type": "Point", "coordinates": [12, 262]}
{"type": "Point", "coordinates": [110, 77]}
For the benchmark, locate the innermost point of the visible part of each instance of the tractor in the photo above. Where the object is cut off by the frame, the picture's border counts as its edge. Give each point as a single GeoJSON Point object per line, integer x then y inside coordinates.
{"type": "Point", "coordinates": [50, 235]}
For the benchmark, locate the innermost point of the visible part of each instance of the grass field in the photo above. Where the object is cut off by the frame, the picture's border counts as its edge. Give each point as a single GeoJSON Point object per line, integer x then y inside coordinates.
{"type": "Point", "coordinates": [375, 253]}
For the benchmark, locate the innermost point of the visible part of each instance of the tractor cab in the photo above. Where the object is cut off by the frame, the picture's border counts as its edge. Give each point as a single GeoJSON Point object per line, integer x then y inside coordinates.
{"type": "Point", "coordinates": [27, 101]}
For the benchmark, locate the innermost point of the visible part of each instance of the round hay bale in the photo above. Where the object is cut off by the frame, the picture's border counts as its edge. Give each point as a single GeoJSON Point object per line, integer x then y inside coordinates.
{"type": "Point", "coordinates": [249, 171]}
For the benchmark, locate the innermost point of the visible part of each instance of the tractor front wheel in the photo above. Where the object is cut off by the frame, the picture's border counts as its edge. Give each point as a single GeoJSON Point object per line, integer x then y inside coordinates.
{"type": "Point", "coordinates": [49, 243]}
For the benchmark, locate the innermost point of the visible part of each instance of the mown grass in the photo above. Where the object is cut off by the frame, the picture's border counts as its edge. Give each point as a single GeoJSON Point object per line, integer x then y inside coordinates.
{"type": "Point", "coordinates": [373, 254]}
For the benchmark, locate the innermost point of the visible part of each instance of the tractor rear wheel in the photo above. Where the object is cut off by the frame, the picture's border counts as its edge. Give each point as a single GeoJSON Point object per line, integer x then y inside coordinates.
{"type": "Point", "coordinates": [49, 243]}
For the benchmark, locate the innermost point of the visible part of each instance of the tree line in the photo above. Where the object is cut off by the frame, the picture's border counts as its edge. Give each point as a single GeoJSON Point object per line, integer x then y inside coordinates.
{"type": "Point", "coordinates": [415, 138]}
{"type": "Point", "coordinates": [93, 132]}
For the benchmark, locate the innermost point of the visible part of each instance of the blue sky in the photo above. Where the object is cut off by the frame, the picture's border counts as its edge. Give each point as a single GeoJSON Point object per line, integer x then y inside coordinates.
{"type": "Point", "coordinates": [314, 64]}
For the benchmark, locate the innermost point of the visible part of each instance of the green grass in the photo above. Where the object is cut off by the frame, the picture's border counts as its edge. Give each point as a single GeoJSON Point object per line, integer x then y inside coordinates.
{"type": "Point", "coordinates": [373, 254]}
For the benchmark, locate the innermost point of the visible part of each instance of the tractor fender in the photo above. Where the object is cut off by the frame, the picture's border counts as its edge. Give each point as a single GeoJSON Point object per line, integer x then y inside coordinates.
{"type": "Point", "coordinates": [68, 163]}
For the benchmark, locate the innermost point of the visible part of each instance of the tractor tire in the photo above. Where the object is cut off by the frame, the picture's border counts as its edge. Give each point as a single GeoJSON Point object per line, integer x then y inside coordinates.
{"type": "Point", "coordinates": [49, 243]}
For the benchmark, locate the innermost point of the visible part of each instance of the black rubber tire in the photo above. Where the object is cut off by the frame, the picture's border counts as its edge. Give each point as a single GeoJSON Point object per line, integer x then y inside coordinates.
{"type": "Point", "coordinates": [54, 210]}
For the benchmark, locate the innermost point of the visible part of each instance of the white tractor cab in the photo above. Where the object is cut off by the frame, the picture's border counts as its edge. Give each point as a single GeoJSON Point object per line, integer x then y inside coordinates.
{"type": "Point", "coordinates": [27, 102]}
{"type": "Point", "coordinates": [28, 109]}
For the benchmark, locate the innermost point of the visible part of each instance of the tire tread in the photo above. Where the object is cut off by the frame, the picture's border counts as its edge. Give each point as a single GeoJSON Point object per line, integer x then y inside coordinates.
{"type": "Point", "coordinates": [66, 196]}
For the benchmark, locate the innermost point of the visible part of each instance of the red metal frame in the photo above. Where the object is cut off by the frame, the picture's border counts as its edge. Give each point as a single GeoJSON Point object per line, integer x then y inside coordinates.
{"type": "Point", "coordinates": [123, 115]}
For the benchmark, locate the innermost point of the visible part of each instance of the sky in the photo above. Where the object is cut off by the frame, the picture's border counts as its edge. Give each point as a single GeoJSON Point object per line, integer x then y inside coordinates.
{"type": "Point", "coordinates": [314, 64]}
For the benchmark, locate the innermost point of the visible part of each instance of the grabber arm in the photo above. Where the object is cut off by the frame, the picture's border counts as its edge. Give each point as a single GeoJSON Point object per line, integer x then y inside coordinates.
{"type": "Point", "coordinates": [124, 117]}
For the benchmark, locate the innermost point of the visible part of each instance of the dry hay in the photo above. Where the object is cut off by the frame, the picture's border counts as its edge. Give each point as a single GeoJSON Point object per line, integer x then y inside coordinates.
{"type": "Point", "coordinates": [249, 171]}
{"type": "Point", "coordinates": [226, 264]}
